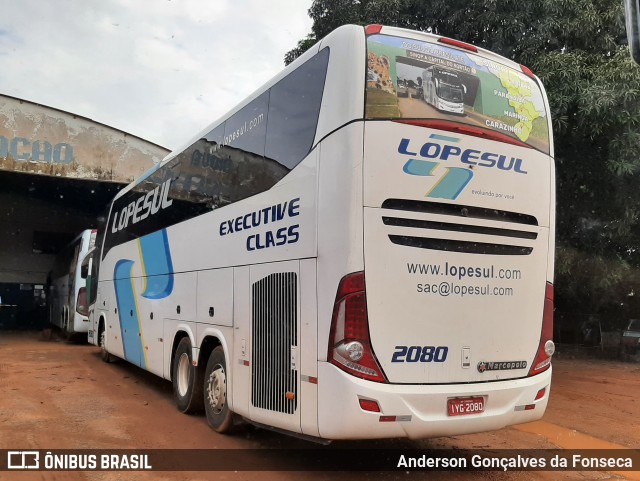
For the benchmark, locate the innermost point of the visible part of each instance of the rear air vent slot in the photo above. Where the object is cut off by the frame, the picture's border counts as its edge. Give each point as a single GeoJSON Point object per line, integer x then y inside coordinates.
{"type": "Point", "coordinates": [446, 226]}
{"type": "Point", "coordinates": [459, 210]}
{"type": "Point", "coordinates": [460, 246]}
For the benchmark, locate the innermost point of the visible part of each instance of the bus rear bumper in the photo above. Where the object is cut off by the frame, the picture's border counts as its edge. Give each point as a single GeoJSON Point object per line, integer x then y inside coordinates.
{"type": "Point", "coordinates": [80, 324]}
{"type": "Point", "coordinates": [420, 411]}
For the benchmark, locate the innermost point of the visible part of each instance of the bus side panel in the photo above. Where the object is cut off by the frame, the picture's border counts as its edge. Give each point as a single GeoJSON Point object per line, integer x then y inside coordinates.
{"type": "Point", "coordinates": [151, 332]}
{"type": "Point", "coordinates": [98, 312]}
{"type": "Point", "coordinates": [75, 323]}
{"type": "Point", "coordinates": [66, 281]}
{"type": "Point", "coordinates": [308, 348]}
{"type": "Point", "coordinates": [180, 303]}
{"type": "Point", "coordinates": [112, 321]}
{"type": "Point", "coordinates": [215, 297]}
{"type": "Point", "coordinates": [79, 322]}
{"type": "Point", "coordinates": [552, 223]}
{"type": "Point", "coordinates": [340, 219]}
{"type": "Point", "coordinates": [142, 302]}
{"type": "Point", "coordinates": [284, 227]}
{"type": "Point", "coordinates": [241, 356]}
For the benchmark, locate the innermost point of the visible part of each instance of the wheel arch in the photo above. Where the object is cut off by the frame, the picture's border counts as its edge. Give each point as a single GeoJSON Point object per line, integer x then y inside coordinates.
{"type": "Point", "coordinates": [209, 343]}
{"type": "Point", "coordinates": [178, 336]}
{"type": "Point", "coordinates": [210, 339]}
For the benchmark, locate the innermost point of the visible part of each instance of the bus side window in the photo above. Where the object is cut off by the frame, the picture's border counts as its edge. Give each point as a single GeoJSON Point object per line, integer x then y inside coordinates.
{"type": "Point", "coordinates": [245, 155]}
{"type": "Point", "coordinates": [294, 108]}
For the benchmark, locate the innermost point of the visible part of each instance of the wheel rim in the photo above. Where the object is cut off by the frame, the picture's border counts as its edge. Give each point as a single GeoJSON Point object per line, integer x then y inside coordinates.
{"type": "Point", "coordinates": [183, 374]}
{"type": "Point", "coordinates": [217, 389]}
{"type": "Point", "coordinates": [103, 341]}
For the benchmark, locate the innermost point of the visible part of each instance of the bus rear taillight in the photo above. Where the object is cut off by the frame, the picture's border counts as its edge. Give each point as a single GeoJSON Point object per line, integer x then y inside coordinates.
{"type": "Point", "coordinates": [349, 343]}
{"type": "Point", "coordinates": [546, 348]}
{"type": "Point", "coordinates": [372, 29]}
{"type": "Point", "coordinates": [527, 71]}
{"type": "Point", "coordinates": [81, 302]}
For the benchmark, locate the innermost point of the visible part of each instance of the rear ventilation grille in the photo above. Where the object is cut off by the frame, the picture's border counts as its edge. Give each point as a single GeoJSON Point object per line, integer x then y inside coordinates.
{"type": "Point", "coordinates": [446, 226]}
{"type": "Point", "coordinates": [460, 246]}
{"type": "Point", "coordinates": [459, 210]}
{"type": "Point", "coordinates": [274, 325]}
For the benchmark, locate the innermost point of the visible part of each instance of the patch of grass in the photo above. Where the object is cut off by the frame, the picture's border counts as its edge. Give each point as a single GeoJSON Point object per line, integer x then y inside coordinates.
{"type": "Point", "coordinates": [381, 104]}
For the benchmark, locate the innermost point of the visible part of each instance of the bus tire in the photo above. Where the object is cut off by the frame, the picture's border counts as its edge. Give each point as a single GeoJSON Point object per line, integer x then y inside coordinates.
{"type": "Point", "coordinates": [219, 416]}
{"type": "Point", "coordinates": [187, 379]}
{"type": "Point", "coordinates": [102, 341]}
{"type": "Point", "coordinates": [65, 323]}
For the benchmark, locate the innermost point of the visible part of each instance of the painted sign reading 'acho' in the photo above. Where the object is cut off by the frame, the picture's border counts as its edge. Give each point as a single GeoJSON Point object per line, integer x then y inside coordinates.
{"type": "Point", "coordinates": [42, 140]}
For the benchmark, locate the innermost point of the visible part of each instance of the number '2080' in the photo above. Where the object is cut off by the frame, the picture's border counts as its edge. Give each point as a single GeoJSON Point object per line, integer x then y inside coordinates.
{"type": "Point", "coordinates": [420, 354]}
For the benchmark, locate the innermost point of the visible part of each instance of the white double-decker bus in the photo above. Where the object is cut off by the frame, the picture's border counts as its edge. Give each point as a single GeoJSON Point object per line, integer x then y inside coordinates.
{"type": "Point", "coordinates": [442, 89]}
{"type": "Point", "coordinates": [67, 291]}
{"type": "Point", "coordinates": [332, 261]}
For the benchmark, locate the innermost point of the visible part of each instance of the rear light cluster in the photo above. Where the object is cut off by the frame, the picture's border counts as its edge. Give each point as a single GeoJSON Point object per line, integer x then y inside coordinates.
{"type": "Point", "coordinates": [81, 302]}
{"type": "Point", "coordinates": [372, 29]}
{"type": "Point", "coordinates": [546, 348]}
{"type": "Point", "coordinates": [349, 342]}
{"type": "Point", "coordinates": [527, 71]}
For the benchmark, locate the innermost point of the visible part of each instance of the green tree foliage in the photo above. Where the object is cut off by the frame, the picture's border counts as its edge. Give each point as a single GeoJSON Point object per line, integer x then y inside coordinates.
{"type": "Point", "coordinates": [578, 49]}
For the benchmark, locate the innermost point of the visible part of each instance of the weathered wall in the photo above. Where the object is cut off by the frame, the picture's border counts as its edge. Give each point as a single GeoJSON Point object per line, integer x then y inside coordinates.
{"type": "Point", "coordinates": [42, 140]}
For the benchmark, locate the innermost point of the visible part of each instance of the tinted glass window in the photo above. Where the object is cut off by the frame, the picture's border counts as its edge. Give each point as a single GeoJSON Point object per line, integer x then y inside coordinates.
{"type": "Point", "coordinates": [166, 197]}
{"type": "Point", "coordinates": [205, 170]}
{"type": "Point", "coordinates": [228, 164]}
{"type": "Point", "coordinates": [294, 107]}
{"type": "Point", "coordinates": [246, 130]}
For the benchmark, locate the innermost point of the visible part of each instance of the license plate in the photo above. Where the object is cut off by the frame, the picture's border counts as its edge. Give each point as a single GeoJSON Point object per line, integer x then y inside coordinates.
{"type": "Point", "coordinates": [467, 405]}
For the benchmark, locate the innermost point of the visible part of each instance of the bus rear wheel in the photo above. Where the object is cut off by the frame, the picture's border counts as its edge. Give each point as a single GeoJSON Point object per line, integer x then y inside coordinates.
{"type": "Point", "coordinates": [187, 379]}
{"type": "Point", "coordinates": [219, 416]}
{"type": "Point", "coordinates": [65, 323]}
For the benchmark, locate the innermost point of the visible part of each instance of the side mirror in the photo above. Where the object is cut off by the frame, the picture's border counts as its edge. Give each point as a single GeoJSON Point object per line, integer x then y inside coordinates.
{"type": "Point", "coordinates": [632, 16]}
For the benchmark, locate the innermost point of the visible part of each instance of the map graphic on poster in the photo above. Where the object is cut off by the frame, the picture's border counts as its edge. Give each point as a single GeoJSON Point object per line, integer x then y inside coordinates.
{"type": "Point", "coordinates": [409, 78]}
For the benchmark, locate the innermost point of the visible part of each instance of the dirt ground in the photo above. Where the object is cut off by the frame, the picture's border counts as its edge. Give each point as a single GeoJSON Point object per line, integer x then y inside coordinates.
{"type": "Point", "coordinates": [56, 395]}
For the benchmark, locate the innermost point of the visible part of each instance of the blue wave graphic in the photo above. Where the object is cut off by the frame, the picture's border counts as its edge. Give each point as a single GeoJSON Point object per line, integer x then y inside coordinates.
{"type": "Point", "coordinates": [157, 269]}
{"type": "Point", "coordinates": [452, 182]}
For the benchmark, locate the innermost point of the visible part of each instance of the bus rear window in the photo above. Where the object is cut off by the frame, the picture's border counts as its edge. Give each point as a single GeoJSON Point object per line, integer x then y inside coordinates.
{"type": "Point", "coordinates": [414, 79]}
